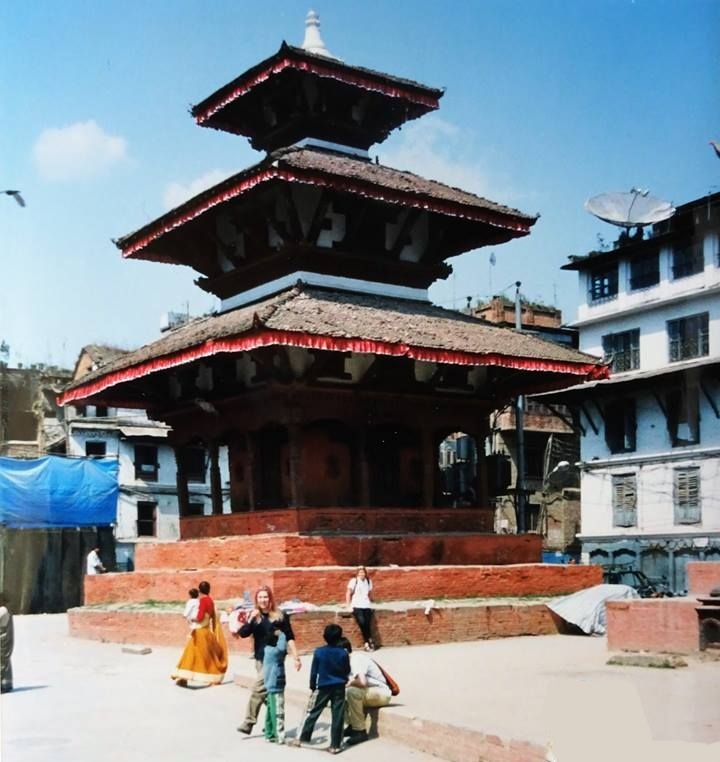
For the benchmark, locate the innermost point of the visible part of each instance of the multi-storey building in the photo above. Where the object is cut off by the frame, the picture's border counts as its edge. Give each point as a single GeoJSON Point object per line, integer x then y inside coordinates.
{"type": "Point", "coordinates": [549, 438]}
{"type": "Point", "coordinates": [651, 432]}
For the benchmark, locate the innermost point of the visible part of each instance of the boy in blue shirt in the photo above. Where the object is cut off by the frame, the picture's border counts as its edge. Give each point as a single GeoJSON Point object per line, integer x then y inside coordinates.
{"type": "Point", "coordinates": [329, 673]}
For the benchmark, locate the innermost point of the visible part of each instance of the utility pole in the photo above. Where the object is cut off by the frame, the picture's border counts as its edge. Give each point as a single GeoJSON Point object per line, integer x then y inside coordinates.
{"type": "Point", "coordinates": [520, 512]}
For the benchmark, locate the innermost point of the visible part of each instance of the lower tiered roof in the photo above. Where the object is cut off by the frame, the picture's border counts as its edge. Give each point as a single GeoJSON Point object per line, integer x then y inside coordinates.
{"type": "Point", "coordinates": [316, 318]}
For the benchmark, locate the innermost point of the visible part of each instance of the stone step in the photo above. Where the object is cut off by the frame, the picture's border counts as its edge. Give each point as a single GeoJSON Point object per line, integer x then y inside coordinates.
{"type": "Point", "coordinates": [278, 550]}
{"type": "Point", "coordinates": [321, 585]}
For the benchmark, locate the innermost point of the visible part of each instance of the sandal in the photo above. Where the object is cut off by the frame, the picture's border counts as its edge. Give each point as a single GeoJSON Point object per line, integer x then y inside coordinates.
{"type": "Point", "coordinates": [332, 750]}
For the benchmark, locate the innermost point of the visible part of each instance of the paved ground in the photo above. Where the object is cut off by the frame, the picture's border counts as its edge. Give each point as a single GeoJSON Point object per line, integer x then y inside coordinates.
{"type": "Point", "coordinates": [83, 701]}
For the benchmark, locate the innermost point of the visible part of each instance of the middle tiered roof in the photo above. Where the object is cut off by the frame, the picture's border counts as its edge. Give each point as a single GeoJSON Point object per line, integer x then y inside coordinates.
{"type": "Point", "coordinates": [312, 209]}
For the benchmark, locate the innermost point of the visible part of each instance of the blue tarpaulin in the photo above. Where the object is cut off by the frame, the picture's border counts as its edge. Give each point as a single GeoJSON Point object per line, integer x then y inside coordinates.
{"type": "Point", "coordinates": [58, 492]}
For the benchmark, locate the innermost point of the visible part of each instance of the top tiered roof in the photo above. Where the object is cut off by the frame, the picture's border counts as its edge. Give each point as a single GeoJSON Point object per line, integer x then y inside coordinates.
{"type": "Point", "coordinates": [303, 93]}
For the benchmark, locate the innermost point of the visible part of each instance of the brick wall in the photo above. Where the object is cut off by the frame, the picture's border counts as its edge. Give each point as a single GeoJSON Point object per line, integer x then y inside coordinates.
{"type": "Point", "coordinates": [653, 624]}
{"type": "Point", "coordinates": [367, 520]}
{"type": "Point", "coordinates": [272, 551]}
{"type": "Point", "coordinates": [393, 628]}
{"type": "Point", "coordinates": [327, 585]}
{"type": "Point", "coordinates": [702, 576]}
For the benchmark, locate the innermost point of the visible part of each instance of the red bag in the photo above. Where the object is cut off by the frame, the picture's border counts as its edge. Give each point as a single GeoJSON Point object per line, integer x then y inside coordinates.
{"type": "Point", "coordinates": [394, 687]}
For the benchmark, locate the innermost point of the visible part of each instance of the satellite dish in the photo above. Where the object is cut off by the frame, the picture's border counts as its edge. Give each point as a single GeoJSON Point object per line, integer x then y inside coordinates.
{"type": "Point", "coordinates": [631, 209]}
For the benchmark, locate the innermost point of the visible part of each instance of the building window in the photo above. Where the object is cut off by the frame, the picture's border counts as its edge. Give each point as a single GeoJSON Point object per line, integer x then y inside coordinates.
{"type": "Point", "coordinates": [604, 283]}
{"type": "Point", "coordinates": [645, 271]}
{"type": "Point", "coordinates": [624, 500]}
{"type": "Point", "coordinates": [688, 337]}
{"type": "Point", "coordinates": [683, 415]}
{"type": "Point", "coordinates": [95, 449]}
{"type": "Point", "coordinates": [146, 463]}
{"type": "Point", "coordinates": [194, 464]}
{"type": "Point", "coordinates": [146, 518]}
{"type": "Point", "coordinates": [623, 349]}
{"type": "Point", "coordinates": [687, 260]}
{"type": "Point", "coordinates": [620, 425]}
{"type": "Point", "coordinates": [686, 494]}
{"type": "Point", "coordinates": [80, 411]}
{"type": "Point", "coordinates": [101, 411]}
{"type": "Point", "coordinates": [196, 509]}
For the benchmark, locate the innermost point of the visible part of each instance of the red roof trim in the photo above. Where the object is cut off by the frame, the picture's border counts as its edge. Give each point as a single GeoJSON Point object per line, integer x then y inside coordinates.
{"type": "Point", "coordinates": [503, 220]}
{"type": "Point", "coordinates": [270, 337]}
{"type": "Point", "coordinates": [394, 91]}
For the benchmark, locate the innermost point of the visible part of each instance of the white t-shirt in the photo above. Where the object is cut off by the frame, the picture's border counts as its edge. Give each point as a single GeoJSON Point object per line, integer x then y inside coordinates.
{"type": "Point", "coordinates": [94, 564]}
{"type": "Point", "coordinates": [362, 664]}
{"type": "Point", "coordinates": [360, 590]}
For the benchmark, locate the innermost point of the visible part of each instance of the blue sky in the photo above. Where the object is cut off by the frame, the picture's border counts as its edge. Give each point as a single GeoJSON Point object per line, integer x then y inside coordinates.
{"type": "Point", "coordinates": [546, 104]}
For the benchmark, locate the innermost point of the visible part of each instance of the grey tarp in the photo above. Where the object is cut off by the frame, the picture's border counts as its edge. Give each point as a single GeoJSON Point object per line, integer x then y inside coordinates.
{"type": "Point", "coordinates": [586, 608]}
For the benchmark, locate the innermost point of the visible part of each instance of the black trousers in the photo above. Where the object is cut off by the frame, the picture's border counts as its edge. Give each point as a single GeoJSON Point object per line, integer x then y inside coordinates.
{"type": "Point", "coordinates": [335, 696]}
{"type": "Point", "coordinates": [364, 619]}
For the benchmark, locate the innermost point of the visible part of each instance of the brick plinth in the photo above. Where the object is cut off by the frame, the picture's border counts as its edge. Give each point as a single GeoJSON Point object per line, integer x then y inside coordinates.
{"type": "Point", "coordinates": [274, 551]}
{"type": "Point", "coordinates": [394, 628]}
{"type": "Point", "coordinates": [365, 520]}
{"type": "Point", "coordinates": [702, 577]}
{"type": "Point", "coordinates": [653, 624]}
{"type": "Point", "coordinates": [322, 585]}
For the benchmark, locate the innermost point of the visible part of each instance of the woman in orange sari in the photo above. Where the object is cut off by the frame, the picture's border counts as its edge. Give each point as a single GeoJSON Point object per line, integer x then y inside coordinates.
{"type": "Point", "coordinates": [205, 658]}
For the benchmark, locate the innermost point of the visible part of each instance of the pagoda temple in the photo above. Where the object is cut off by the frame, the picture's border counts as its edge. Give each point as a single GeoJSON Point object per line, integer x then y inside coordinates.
{"type": "Point", "coordinates": [326, 372]}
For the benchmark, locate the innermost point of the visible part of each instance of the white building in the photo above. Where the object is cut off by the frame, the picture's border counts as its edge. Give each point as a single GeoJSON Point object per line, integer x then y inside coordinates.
{"type": "Point", "coordinates": [650, 451]}
{"type": "Point", "coordinates": [148, 507]}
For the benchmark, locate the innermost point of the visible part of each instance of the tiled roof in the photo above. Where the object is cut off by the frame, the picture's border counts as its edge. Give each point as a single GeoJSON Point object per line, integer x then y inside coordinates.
{"type": "Point", "coordinates": [394, 179]}
{"type": "Point", "coordinates": [333, 315]}
{"type": "Point", "coordinates": [354, 175]}
{"type": "Point", "coordinates": [261, 71]}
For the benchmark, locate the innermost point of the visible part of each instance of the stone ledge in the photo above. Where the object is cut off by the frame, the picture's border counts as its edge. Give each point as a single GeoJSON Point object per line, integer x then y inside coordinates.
{"type": "Point", "coordinates": [450, 742]}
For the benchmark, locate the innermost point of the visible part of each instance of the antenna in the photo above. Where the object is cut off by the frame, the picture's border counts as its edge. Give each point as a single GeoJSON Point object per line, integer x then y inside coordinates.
{"type": "Point", "coordinates": [635, 208]}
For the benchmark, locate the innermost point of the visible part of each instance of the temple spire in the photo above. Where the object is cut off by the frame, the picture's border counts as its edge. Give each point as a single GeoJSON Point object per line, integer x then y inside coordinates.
{"type": "Point", "coordinates": [313, 42]}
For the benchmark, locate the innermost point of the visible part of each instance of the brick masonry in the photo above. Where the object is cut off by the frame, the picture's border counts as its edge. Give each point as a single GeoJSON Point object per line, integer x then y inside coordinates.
{"type": "Point", "coordinates": [393, 627]}
{"type": "Point", "coordinates": [653, 624]}
{"type": "Point", "coordinates": [321, 585]}
{"type": "Point", "coordinates": [702, 576]}
{"type": "Point", "coordinates": [662, 624]}
{"type": "Point", "coordinates": [366, 520]}
{"type": "Point", "coordinates": [273, 551]}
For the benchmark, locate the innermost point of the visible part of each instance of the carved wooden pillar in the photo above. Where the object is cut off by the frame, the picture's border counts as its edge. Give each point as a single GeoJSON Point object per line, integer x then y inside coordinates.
{"type": "Point", "coordinates": [215, 481]}
{"type": "Point", "coordinates": [297, 491]}
{"type": "Point", "coordinates": [182, 484]}
{"type": "Point", "coordinates": [249, 466]}
{"type": "Point", "coordinates": [429, 459]}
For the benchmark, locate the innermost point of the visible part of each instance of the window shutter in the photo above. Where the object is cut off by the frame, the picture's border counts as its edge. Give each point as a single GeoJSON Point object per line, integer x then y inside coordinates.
{"type": "Point", "coordinates": [624, 499]}
{"type": "Point", "coordinates": [687, 496]}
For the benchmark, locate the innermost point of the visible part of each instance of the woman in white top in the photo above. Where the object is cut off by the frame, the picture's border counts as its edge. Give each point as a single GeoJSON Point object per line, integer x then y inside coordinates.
{"type": "Point", "coordinates": [358, 596]}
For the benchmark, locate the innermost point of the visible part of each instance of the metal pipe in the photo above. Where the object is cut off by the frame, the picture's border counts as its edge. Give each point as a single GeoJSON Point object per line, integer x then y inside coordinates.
{"type": "Point", "coordinates": [520, 501]}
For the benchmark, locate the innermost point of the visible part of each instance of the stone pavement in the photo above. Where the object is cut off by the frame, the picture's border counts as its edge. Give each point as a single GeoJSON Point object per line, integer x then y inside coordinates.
{"type": "Point", "coordinates": [84, 701]}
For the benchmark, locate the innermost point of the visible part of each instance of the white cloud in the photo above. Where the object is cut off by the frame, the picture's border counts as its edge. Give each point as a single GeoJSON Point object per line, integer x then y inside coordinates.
{"type": "Point", "coordinates": [176, 193]}
{"type": "Point", "coordinates": [438, 150]}
{"type": "Point", "coordinates": [78, 151]}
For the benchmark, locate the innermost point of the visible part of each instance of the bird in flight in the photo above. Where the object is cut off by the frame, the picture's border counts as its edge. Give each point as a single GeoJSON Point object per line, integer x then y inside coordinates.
{"type": "Point", "coordinates": [16, 195]}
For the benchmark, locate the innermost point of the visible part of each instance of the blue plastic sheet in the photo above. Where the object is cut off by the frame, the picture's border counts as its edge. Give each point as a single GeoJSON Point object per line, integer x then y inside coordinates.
{"type": "Point", "coordinates": [58, 492]}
